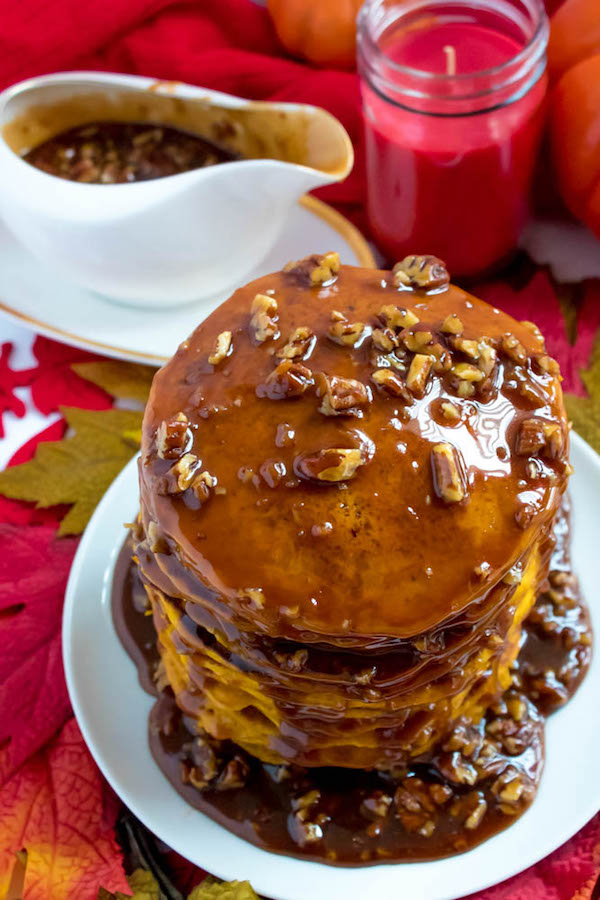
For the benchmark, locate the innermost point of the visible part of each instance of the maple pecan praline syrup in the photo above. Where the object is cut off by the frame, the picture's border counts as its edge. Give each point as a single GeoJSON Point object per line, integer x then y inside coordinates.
{"type": "Point", "coordinates": [354, 542]}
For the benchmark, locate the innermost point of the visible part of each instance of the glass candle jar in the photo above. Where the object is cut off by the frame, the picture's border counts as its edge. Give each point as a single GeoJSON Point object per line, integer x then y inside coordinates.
{"type": "Point", "coordinates": [453, 103]}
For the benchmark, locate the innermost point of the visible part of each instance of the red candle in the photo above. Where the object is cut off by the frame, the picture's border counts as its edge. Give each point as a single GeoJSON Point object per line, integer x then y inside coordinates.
{"type": "Point", "coordinates": [453, 99]}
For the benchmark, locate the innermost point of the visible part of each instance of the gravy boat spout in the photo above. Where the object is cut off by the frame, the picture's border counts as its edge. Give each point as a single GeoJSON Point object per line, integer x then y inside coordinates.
{"type": "Point", "coordinates": [173, 239]}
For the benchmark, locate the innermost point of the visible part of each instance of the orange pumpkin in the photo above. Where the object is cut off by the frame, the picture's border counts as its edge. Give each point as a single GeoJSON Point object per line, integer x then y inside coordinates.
{"type": "Point", "coordinates": [574, 34]}
{"type": "Point", "coordinates": [575, 108]}
{"type": "Point", "coordinates": [322, 31]}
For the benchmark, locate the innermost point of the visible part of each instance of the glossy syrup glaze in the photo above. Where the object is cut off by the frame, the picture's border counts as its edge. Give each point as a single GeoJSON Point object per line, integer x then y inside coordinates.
{"type": "Point", "coordinates": [378, 556]}
{"type": "Point", "coordinates": [485, 775]}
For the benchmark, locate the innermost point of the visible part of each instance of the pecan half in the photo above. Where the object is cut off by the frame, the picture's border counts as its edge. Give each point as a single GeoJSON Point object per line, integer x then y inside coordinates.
{"type": "Point", "coordinates": [530, 437]}
{"type": "Point", "coordinates": [263, 317]}
{"type": "Point", "coordinates": [342, 396]}
{"type": "Point", "coordinates": [348, 334]}
{"type": "Point", "coordinates": [418, 373]}
{"type": "Point", "coordinates": [318, 269]}
{"type": "Point", "coordinates": [331, 465]}
{"type": "Point", "coordinates": [300, 343]}
{"type": "Point", "coordinates": [285, 382]}
{"type": "Point", "coordinates": [173, 437]}
{"type": "Point", "coordinates": [221, 349]}
{"type": "Point", "coordinates": [536, 436]}
{"type": "Point", "coordinates": [423, 272]}
{"type": "Point", "coordinates": [392, 384]}
{"type": "Point", "coordinates": [447, 469]}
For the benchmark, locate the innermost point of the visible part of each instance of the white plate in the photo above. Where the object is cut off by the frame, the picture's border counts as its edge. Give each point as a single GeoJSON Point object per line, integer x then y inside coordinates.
{"type": "Point", "coordinates": [112, 711]}
{"type": "Point", "coordinates": [34, 295]}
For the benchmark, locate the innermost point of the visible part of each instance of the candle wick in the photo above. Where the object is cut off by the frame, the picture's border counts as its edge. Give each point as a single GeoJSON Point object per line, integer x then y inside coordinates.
{"type": "Point", "coordinates": [450, 52]}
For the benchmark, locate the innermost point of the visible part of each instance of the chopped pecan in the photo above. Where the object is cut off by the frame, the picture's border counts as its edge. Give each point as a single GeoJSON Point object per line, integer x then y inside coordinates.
{"type": "Point", "coordinates": [221, 349]}
{"type": "Point", "coordinates": [530, 437]}
{"type": "Point", "coordinates": [450, 411]}
{"type": "Point", "coordinates": [156, 539]}
{"type": "Point", "coordinates": [202, 485]}
{"type": "Point", "coordinates": [547, 365]}
{"type": "Point", "coordinates": [181, 474]}
{"type": "Point", "coordinates": [456, 768]}
{"type": "Point", "coordinates": [415, 807]}
{"type": "Point", "coordinates": [293, 662]}
{"type": "Point", "coordinates": [418, 373]}
{"type": "Point", "coordinates": [173, 437]}
{"type": "Point", "coordinates": [254, 596]}
{"type": "Point", "coordinates": [385, 339]}
{"type": "Point", "coordinates": [234, 774]}
{"type": "Point", "coordinates": [423, 272]}
{"type": "Point", "coordinates": [468, 347]}
{"type": "Point", "coordinates": [398, 317]}
{"type": "Point", "coordinates": [389, 381]}
{"type": "Point", "coordinates": [349, 334]}
{"type": "Point", "coordinates": [288, 380]}
{"type": "Point", "coordinates": [488, 357]}
{"type": "Point", "coordinates": [331, 465]}
{"type": "Point", "coordinates": [452, 325]}
{"type": "Point", "coordinates": [467, 372]}
{"type": "Point", "coordinates": [300, 343]}
{"type": "Point", "coordinates": [465, 389]}
{"type": "Point", "coordinates": [537, 436]}
{"type": "Point", "coordinates": [513, 349]}
{"type": "Point", "coordinates": [376, 804]}
{"type": "Point", "coordinates": [263, 317]}
{"type": "Point", "coordinates": [318, 269]}
{"type": "Point", "coordinates": [448, 478]}
{"type": "Point", "coordinates": [342, 396]}
{"type": "Point", "coordinates": [416, 341]}
{"type": "Point", "coordinates": [470, 808]}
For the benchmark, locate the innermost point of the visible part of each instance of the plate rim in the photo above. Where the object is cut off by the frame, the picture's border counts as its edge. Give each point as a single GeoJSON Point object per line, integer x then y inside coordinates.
{"type": "Point", "coordinates": [373, 873]}
{"type": "Point", "coordinates": [348, 231]}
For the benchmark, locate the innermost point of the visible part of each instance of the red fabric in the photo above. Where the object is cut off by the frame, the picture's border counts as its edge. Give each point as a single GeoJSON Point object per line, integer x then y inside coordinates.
{"type": "Point", "coordinates": [228, 45]}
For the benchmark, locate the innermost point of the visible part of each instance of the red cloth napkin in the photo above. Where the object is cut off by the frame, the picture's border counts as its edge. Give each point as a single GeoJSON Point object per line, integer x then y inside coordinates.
{"type": "Point", "coordinates": [227, 45]}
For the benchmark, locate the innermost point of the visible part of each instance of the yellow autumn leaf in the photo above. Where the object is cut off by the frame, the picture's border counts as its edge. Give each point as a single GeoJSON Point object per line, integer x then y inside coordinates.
{"type": "Point", "coordinates": [125, 380]}
{"type": "Point", "coordinates": [211, 889]}
{"type": "Point", "coordinates": [78, 469]}
{"type": "Point", "coordinates": [584, 412]}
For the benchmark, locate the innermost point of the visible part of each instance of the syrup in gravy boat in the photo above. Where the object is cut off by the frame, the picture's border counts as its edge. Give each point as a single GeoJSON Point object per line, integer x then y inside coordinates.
{"type": "Point", "coordinates": [174, 239]}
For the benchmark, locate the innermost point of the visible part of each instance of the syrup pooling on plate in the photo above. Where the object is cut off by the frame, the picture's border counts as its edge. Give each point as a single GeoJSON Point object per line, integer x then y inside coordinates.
{"type": "Point", "coordinates": [121, 152]}
{"type": "Point", "coordinates": [349, 487]}
{"type": "Point", "coordinates": [552, 662]}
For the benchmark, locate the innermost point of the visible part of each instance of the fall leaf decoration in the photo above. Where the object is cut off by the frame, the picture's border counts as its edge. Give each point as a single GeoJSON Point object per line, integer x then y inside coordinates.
{"type": "Point", "coordinates": [55, 384]}
{"type": "Point", "coordinates": [53, 806]}
{"type": "Point", "coordinates": [79, 469]}
{"type": "Point", "coordinates": [9, 380]}
{"type": "Point", "coordinates": [34, 704]}
{"type": "Point", "coordinates": [584, 412]}
{"type": "Point", "coordinates": [145, 887]}
{"type": "Point", "coordinates": [128, 381]}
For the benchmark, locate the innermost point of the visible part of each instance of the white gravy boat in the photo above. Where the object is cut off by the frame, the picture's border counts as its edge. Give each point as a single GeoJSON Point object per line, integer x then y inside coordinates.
{"type": "Point", "coordinates": [175, 239]}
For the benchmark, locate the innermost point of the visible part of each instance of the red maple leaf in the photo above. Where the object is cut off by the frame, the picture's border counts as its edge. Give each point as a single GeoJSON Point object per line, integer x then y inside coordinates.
{"type": "Point", "coordinates": [53, 807]}
{"type": "Point", "coordinates": [9, 380]}
{"type": "Point", "coordinates": [18, 512]}
{"type": "Point", "coordinates": [54, 383]}
{"type": "Point", "coordinates": [34, 704]}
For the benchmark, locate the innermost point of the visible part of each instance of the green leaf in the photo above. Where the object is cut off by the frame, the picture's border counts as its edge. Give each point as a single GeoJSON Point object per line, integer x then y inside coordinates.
{"type": "Point", "coordinates": [128, 381]}
{"type": "Point", "coordinates": [78, 469]}
{"type": "Point", "coordinates": [211, 889]}
{"type": "Point", "coordinates": [584, 412]}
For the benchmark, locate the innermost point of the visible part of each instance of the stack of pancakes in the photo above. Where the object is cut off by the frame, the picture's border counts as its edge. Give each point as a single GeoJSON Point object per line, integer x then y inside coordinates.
{"type": "Point", "coordinates": [349, 480]}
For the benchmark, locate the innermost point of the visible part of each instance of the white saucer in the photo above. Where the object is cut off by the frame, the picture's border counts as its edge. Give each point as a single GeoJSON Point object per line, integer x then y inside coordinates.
{"type": "Point", "coordinates": [33, 295]}
{"type": "Point", "coordinates": [112, 711]}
